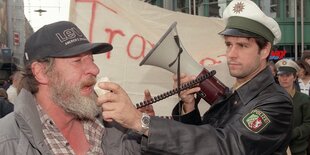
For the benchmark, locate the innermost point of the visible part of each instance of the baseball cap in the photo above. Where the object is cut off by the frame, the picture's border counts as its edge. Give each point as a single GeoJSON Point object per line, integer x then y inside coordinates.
{"type": "Point", "coordinates": [60, 39]}
{"type": "Point", "coordinates": [245, 19]}
{"type": "Point", "coordinates": [285, 66]}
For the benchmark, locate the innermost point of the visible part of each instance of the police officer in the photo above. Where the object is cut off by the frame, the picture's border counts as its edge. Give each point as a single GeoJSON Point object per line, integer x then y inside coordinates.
{"type": "Point", "coordinates": [255, 119]}
{"type": "Point", "coordinates": [287, 74]}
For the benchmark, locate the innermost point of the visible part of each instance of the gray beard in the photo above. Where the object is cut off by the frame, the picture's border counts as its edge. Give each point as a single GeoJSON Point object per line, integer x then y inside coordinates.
{"type": "Point", "coordinates": [71, 101]}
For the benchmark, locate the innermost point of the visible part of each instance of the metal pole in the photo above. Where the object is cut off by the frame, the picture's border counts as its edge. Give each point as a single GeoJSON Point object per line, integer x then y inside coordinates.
{"type": "Point", "coordinates": [189, 7]}
{"type": "Point", "coordinates": [302, 25]}
{"type": "Point", "coordinates": [295, 24]}
{"type": "Point", "coordinates": [194, 6]}
{"type": "Point", "coordinates": [10, 23]}
{"type": "Point", "coordinates": [10, 26]}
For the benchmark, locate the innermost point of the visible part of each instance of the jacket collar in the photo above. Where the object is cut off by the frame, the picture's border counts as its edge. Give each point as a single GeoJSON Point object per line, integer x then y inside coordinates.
{"type": "Point", "coordinates": [28, 119]}
{"type": "Point", "coordinates": [253, 87]}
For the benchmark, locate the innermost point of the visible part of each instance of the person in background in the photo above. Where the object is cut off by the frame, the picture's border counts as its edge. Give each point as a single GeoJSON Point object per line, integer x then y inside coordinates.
{"type": "Point", "coordinates": [56, 112]}
{"type": "Point", "coordinates": [5, 106]}
{"type": "Point", "coordinates": [256, 118]}
{"type": "Point", "coordinates": [306, 57]}
{"type": "Point", "coordinates": [273, 70]}
{"type": "Point", "coordinates": [13, 89]}
{"type": "Point", "coordinates": [287, 75]}
{"type": "Point", "coordinates": [6, 84]}
{"type": "Point", "coordinates": [303, 80]}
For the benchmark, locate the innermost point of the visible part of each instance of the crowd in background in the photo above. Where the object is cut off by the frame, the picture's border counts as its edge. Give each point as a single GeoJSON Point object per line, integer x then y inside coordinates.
{"type": "Point", "coordinates": [295, 79]}
{"type": "Point", "coordinates": [8, 92]}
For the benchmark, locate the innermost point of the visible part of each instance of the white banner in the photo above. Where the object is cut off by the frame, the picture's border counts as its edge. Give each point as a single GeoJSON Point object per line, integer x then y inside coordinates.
{"type": "Point", "coordinates": [133, 28]}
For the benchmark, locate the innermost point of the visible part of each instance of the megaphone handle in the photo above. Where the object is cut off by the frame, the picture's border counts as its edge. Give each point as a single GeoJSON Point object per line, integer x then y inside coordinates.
{"type": "Point", "coordinates": [185, 86]}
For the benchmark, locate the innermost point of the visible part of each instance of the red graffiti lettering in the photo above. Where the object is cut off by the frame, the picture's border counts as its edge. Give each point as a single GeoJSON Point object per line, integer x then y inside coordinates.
{"type": "Point", "coordinates": [112, 34]}
{"type": "Point", "coordinates": [96, 1]}
{"type": "Point", "coordinates": [142, 48]}
{"type": "Point", "coordinates": [210, 61]}
{"type": "Point", "coordinates": [93, 14]}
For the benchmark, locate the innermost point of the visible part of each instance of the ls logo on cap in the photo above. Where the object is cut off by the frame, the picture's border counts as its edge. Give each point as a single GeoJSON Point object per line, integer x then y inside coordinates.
{"type": "Point", "coordinates": [71, 35]}
{"type": "Point", "coordinates": [238, 8]}
{"type": "Point", "coordinates": [255, 121]}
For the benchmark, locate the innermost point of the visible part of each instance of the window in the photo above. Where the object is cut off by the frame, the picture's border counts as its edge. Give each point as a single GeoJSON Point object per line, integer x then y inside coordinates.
{"type": "Point", "coordinates": [290, 8]}
{"type": "Point", "coordinates": [213, 8]}
{"type": "Point", "coordinates": [183, 6]}
{"type": "Point", "coordinates": [270, 7]}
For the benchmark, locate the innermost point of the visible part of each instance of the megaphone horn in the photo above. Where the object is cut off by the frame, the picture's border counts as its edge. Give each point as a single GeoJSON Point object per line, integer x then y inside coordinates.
{"type": "Point", "coordinates": [164, 54]}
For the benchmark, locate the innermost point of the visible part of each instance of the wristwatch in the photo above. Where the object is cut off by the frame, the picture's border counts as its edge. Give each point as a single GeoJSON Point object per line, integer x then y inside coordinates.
{"type": "Point", "coordinates": [145, 123]}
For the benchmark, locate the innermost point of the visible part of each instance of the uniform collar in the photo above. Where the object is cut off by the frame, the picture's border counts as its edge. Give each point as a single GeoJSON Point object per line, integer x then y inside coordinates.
{"type": "Point", "coordinates": [254, 86]}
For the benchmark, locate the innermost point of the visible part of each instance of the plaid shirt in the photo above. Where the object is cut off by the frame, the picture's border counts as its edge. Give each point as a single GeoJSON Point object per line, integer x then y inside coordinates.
{"type": "Point", "coordinates": [58, 143]}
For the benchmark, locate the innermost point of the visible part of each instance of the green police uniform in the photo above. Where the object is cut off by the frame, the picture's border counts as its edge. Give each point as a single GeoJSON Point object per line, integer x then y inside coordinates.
{"type": "Point", "coordinates": [301, 127]}
{"type": "Point", "coordinates": [301, 113]}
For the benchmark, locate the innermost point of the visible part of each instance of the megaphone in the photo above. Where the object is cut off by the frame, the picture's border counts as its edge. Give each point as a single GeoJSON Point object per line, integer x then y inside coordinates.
{"type": "Point", "coordinates": [164, 55]}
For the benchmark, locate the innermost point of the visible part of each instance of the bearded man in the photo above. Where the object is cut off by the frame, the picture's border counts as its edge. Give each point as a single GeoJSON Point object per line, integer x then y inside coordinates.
{"type": "Point", "coordinates": [56, 111]}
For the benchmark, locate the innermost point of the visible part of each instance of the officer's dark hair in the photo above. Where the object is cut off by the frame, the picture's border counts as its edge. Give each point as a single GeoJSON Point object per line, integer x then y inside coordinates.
{"type": "Point", "coordinates": [261, 43]}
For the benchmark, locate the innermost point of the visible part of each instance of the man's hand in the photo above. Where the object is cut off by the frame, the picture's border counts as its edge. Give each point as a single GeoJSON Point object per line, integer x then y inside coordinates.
{"type": "Point", "coordinates": [149, 108]}
{"type": "Point", "coordinates": [187, 96]}
{"type": "Point", "coordinates": [116, 105]}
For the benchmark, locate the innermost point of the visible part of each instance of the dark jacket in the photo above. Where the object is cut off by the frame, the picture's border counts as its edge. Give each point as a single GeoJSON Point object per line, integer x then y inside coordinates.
{"type": "Point", "coordinates": [301, 127]}
{"type": "Point", "coordinates": [254, 120]}
{"type": "Point", "coordinates": [5, 107]}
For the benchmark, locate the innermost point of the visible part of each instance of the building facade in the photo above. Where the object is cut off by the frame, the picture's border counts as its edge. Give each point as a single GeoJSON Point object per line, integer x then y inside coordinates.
{"type": "Point", "coordinates": [293, 17]}
{"type": "Point", "coordinates": [15, 28]}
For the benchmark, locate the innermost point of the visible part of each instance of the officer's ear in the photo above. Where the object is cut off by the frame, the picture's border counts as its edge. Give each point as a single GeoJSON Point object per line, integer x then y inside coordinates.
{"type": "Point", "coordinates": [266, 51]}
